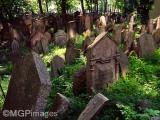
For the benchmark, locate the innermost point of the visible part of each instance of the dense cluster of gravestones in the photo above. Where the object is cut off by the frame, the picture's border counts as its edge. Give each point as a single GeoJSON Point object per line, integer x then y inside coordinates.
{"type": "Point", "coordinates": [30, 83]}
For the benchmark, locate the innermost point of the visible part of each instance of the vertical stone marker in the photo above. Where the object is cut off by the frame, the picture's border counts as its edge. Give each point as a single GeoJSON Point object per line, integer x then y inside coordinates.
{"type": "Point", "coordinates": [102, 63]}
{"type": "Point", "coordinates": [94, 106]}
{"type": "Point", "coordinates": [87, 22]}
{"type": "Point", "coordinates": [71, 29]}
{"type": "Point", "coordinates": [156, 34]}
{"type": "Point", "coordinates": [29, 87]}
{"type": "Point", "coordinates": [146, 41]}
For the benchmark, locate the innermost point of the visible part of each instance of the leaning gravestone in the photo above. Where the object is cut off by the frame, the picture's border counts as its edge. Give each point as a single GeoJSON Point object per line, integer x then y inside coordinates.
{"type": "Point", "coordinates": [95, 105]}
{"type": "Point", "coordinates": [29, 87]}
{"type": "Point", "coordinates": [56, 66]}
{"type": "Point", "coordinates": [71, 52]}
{"type": "Point", "coordinates": [60, 38]}
{"type": "Point", "coordinates": [102, 63]}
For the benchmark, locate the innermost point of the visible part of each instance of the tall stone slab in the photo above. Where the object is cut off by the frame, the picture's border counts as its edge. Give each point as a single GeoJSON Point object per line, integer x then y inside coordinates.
{"type": "Point", "coordinates": [146, 45]}
{"type": "Point", "coordinates": [102, 63]}
{"type": "Point", "coordinates": [29, 87]}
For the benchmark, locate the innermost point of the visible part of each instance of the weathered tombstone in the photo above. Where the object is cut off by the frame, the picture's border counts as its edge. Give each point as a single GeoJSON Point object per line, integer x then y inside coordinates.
{"type": "Point", "coordinates": [158, 23]}
{"type": "Point", "coordinates": [56, 66]}
{"type": "Point", "coordinates": [60, 107]}
{"type": "Point", "coordinates": [156, 34]}
{"type": "Point", "coordinates": [102, 63]}
{"type": "Point", "coordinates": [29, 87]}
{"type": "Point", "coordinates": [149, 26]}
{"type": "Point", "coordinates": [60, 38]}
{"type": "Point", "coordinates": [123, 61]}
{"type": "Point", "coordinates": [103, 24]}
{"type": "Point", "coordinates": [71, 29]}
{"type": "Point", "coordinates": [128, 41]}
{"type": "Point", "coordinates": [79, 81]}
{"type": "Point", "coordinates": [71, 52]}
{"type": "Point", "coordinates": [146, 45]}
{"type": "Point", "coordinates": [95, 105]}
{"type": "Point", "coordinates": [15, 53]}
{"type": "Point", "coordinates": [45, 41]}
{"type": "Point", "coordinates": [38, 25]}
{"type": "Point", "coordinates": [87, 22]}
{"type": "Point", "coordinates": [88, 40]}
{"type": "Point", "coordinates": [80, 23]}
{"type": "Point", "coordinates": [117, 34]}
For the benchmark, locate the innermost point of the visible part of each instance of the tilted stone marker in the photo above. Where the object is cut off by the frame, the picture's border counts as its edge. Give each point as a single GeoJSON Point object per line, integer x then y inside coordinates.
{"type": "Point", "coordinates": [102, 63]}
{"type": "Point", "coordinates": [56, 66]}
{"type": "Point", "coordinates": [29, 87]}
{"type": "Point", "coordinates": [60, 38]}
{"type": "Point", "coordinates": [71, 52]}
{"type": "Point", "coordinates": [93, 107]}
{"type": "Point", "coordinates": [60, 106]}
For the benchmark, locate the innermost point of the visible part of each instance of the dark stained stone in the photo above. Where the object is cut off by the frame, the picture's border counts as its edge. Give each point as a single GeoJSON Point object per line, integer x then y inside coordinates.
{"type": "Point", "coordinates": [56, 66]}
{"type": "Point", "coordinates": [79, 81]}
{"type": "Point", "coordinates": [29, 86]}
{"type": "Point", "coordinates": [95, 105]}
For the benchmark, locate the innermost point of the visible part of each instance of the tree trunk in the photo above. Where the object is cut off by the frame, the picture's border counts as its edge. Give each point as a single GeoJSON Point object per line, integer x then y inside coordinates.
{"type": "Point", "coordinates": [105, 6]}
{"type": "Point", "coordinates": [47, 5]}
{"type": "Point", "coordinates": [40, 6]}
{"type": "Point", "coordinates": [63, 7]}
{"type": "Point", "coordinates": [82, 6]}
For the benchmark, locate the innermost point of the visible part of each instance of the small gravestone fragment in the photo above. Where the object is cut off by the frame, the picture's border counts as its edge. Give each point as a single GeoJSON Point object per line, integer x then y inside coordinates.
{"type": "Point", "coordinates": [60, 106]}
{"type": "Point", "coordinates": [56, 66]}
{"type": "Point", "coordinates": [29, 87]}
{"type": "Point", "coordinates": [79, 81]}
{"type": "Point", "coordinates": [95, 105]}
